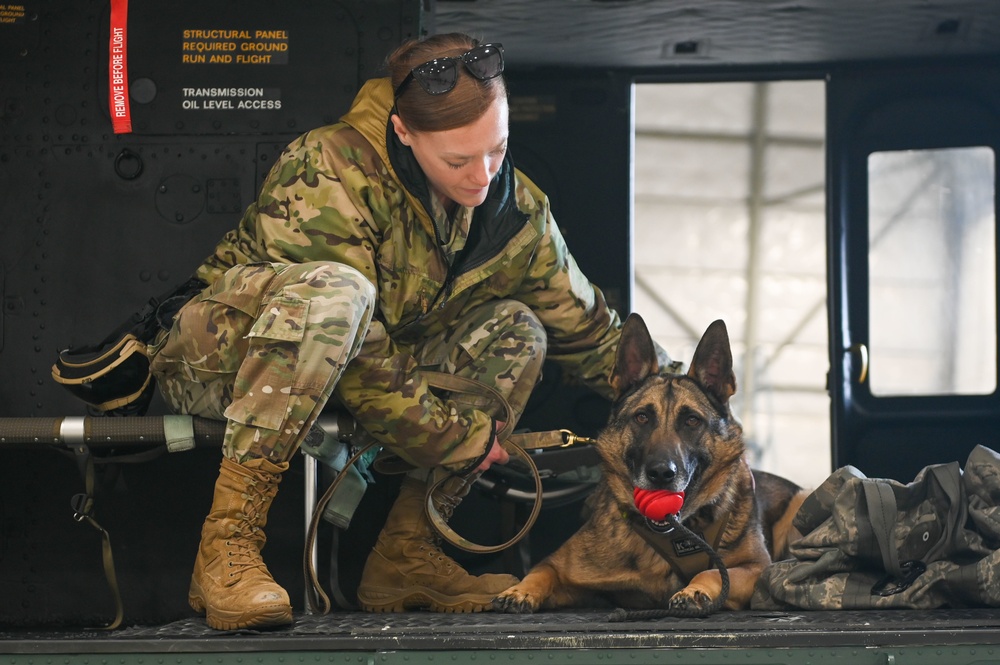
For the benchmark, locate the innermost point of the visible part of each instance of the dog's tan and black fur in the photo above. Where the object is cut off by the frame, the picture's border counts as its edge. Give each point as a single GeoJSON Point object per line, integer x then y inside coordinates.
{"type": "Point", "coordinates": [670, 432]}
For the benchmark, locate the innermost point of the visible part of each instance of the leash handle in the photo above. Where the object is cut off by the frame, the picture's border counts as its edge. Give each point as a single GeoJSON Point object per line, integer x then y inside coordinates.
{"type": "Point", "coordinates": [462, 384]}
{"type": "Point", "coordinates": [445, 531]}
{"type": "Point", "coordinates": [514, 444]}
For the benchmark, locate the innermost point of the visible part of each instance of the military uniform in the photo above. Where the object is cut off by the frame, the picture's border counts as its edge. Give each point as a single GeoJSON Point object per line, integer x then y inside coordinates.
{"type": "Point", "coordinates": [347, 279]}
{"type": "Point", "coordinates": [346, 276]}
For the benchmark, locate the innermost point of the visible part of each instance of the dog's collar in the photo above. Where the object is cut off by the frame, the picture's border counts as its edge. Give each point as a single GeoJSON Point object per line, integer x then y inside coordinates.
{"type": "Point", "coordinates": [685, 556]}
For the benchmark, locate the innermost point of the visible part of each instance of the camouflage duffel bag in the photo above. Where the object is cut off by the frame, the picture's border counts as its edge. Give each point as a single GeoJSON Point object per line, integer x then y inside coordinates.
{"type": "Point", "coordinates": [879, 544]}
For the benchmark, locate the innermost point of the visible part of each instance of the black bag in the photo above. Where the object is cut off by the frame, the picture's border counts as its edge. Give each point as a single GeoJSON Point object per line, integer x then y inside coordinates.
{"type": "Point", "coordinates": [112, 376]}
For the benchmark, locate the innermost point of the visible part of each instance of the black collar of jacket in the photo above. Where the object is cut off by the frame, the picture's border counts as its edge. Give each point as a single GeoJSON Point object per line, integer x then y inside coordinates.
{"type": "Point", "coordinates": [494, 222]}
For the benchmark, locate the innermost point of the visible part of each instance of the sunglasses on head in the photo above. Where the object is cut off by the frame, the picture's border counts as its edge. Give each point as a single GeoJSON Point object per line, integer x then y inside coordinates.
{"type": "Point", "coordinates": [440, 75]}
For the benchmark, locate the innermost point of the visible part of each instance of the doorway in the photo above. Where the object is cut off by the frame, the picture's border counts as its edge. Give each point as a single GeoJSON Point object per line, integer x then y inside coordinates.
{"type": "Point", "coordinates": [730, 223]}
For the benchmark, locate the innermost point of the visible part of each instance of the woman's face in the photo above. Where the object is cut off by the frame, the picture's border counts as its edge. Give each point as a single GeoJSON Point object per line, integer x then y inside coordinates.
{"type": "Point", "coordinates": [460, 163]}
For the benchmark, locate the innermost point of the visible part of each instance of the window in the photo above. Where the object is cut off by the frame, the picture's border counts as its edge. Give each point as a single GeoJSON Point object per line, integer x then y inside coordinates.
{"type": "Point", "coordinates": [932, 272]}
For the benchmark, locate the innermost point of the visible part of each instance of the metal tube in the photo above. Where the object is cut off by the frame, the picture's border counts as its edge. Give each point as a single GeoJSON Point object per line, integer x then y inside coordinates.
{"type": "Point", "coordinates": [97, 431]}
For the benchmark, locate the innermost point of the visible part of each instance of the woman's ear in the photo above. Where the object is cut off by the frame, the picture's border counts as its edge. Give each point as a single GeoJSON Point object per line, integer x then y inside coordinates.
{"type": "Point", "coordinates": [402, 133]}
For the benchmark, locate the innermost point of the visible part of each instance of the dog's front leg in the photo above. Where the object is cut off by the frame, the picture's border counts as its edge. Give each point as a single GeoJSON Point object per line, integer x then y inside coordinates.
{"type": "Point", "coordinates": [558, 580]}
{"type": "Point", "coordinates": [707, 586]}
{"type": "Point", "coordinates": [528, 595]}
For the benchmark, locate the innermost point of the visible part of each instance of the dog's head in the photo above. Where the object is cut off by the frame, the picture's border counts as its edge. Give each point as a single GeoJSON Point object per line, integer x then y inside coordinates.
{"type": "Point", "coordinates": [668, 432]}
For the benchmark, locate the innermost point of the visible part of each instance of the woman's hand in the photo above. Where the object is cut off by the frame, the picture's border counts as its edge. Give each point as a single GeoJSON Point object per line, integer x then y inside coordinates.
{"type": "Point", "coordinates": [496, 454]}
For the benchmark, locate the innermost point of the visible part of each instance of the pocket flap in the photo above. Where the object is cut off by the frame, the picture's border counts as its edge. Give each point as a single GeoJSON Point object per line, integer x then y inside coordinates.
{"type": "Point", "coordinates": [282, 319]}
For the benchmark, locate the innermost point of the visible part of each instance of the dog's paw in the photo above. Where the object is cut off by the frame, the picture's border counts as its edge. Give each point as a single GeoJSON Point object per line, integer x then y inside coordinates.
{"type": "Point", "coordinates": [690, 601]}
{"type": "Point", "coordinates": [515, 601]}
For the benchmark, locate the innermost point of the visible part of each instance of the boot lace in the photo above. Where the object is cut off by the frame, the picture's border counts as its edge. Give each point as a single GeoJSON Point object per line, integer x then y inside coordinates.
{"type": "Point", "coordinates": [435, 555]}
{"type": "Point", "coordinates": [246, 537]}
{"type": "Point", "coordinates": [433, 549]}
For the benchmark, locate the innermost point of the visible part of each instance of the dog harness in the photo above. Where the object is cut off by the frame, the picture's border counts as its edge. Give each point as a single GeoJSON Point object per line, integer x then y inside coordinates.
{"type": "Point", "coordinates": [686, 556]}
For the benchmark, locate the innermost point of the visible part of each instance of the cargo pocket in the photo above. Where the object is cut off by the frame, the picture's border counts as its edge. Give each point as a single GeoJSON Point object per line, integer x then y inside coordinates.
{"type": "Point", "coordinates": [264, 381]}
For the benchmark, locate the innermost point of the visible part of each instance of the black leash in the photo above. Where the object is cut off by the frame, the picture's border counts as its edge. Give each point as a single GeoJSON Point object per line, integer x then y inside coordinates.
{"type": "Point", "coordinates": [673, 523]}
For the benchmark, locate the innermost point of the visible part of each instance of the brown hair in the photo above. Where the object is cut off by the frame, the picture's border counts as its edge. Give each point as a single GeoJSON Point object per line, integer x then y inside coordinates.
{"type": "Point", "coordinates": [434, 113]}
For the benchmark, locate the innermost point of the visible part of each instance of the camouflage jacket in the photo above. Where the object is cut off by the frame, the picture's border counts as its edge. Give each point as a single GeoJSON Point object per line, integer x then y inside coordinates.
{"type": "Point", "coordinates": [351, 193]}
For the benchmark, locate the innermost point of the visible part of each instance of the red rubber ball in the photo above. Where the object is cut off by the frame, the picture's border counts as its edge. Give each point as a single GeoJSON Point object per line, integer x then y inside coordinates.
{"type": "Point", "coordinates": [657, 504]}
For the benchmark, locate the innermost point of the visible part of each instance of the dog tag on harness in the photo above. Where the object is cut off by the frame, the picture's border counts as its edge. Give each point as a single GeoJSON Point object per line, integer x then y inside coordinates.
{"type": "Point", "coordinates": [686, 546]}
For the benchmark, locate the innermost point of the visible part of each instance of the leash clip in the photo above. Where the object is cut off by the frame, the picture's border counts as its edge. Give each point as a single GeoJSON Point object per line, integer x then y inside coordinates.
{"type": "Point", "coordinates": [664, 527]}
{"type": "Point", "coordinates": [571, 439]}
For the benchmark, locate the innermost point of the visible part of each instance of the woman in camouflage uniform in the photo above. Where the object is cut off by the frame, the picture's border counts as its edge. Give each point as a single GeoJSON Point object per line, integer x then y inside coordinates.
{"type": "Point", "coordinates": [398, 240]}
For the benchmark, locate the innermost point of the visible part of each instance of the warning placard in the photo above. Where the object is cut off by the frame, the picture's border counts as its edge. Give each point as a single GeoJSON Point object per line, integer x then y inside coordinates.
{"type": "Point", "coordinates": [231, 99]}
{"type": "Point", "coordinates": [225, 46]}
{"type": "Point", "coordinates": [11, 13]}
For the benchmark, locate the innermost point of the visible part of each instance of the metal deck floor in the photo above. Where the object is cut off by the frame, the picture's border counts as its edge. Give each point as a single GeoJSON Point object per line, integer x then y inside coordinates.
{"type": "Point", "coordinates": [418, 631]}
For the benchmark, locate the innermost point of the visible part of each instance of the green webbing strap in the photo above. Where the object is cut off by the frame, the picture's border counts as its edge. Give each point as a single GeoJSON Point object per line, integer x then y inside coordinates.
{"type": "Point", "coordinates": [82, 505]}
{"type": "Point", "coordinates": [179, 433]}
{"type": "Point", "coordinates": [881, 501]}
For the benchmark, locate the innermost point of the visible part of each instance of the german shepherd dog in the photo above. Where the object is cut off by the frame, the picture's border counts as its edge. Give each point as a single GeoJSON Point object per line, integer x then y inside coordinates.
{"type": "Point", "coordinates": [670, 432]}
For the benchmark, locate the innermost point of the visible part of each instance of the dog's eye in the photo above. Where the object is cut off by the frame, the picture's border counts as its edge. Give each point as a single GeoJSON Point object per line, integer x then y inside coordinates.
{"type": "Point", "coordinates": [641, 418]}
{"type": "Point", "coordinates": [692, 421]}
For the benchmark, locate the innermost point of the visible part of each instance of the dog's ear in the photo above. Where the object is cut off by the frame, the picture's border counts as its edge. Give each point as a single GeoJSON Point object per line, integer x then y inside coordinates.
{"type": "Point", "coordinates": [712, 365]}
{"type": "Point", "coordinates": [636, 357]}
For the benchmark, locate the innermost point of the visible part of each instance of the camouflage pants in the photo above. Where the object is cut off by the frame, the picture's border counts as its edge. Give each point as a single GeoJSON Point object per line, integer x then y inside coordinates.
{"type": "Point", "coordinates": [264, 347]}
{"type": "Point", "coordinates": [501, 344]}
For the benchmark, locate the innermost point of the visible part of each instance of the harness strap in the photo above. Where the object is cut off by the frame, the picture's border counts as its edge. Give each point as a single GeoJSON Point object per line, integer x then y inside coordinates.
{"type": "Point", "coordinates": [673, 523]}
{"type": "Point", "coordinates": [686, 557]}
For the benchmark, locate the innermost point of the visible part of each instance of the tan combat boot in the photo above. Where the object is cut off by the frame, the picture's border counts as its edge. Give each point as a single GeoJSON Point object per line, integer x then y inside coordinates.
{"type": "Point", "coordinates": [407, 570]}
{"type": "Point", "coordinates": [231, 584]}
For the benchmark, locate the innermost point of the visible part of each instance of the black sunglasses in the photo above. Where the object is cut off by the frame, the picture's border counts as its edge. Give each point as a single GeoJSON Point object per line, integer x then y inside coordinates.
{"type": "Point", "coordinates": [440, 75]}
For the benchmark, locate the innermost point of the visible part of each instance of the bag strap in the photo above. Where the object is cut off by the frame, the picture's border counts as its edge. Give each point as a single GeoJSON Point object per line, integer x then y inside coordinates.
{"type": "Point", "coordinates": [882, 514]}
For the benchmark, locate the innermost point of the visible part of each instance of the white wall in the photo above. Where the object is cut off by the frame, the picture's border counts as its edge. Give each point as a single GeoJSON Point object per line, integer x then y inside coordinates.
{"type": "Point", "coordinates": [730, 224]}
